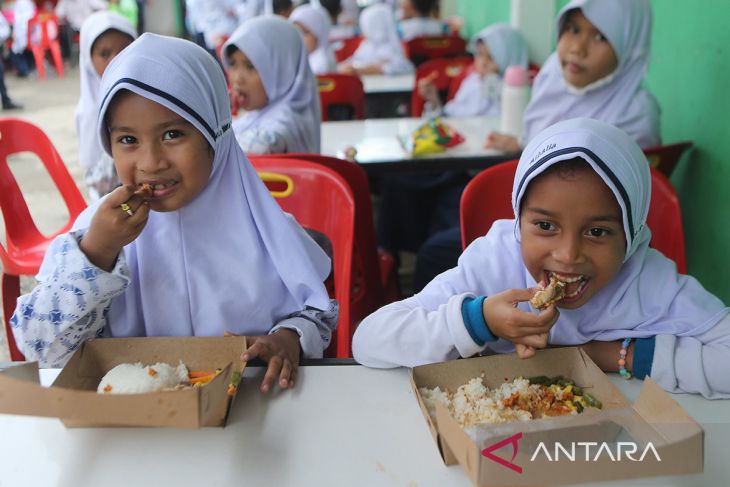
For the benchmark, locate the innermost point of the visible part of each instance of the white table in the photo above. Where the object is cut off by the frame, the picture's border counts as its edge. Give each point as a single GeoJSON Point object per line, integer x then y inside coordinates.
{"type": "Point", "coordinates": [342, 425]}
{"type": "Point", "coordinates": [381, 83]}
{"type": "Point", "coordinates": [380, 148]}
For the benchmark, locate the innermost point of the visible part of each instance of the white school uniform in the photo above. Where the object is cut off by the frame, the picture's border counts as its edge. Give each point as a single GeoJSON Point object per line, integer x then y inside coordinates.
{"type": "Point", "coordinates": [381, 44]}
{"type": "Point", "coordinates": [290, 122]}
{"type": "Point", "coordinates": [101, 176]}
{"type": "Point", "coordinates": [317, 21]}
{"type": "Point", "coordinates": [618, 99]}
{"type": "Point", "coordinates": [646, 298]}
{"type": "Point", "coordinates": [420, 27]}
{"type": "Point", "coordinates": [229, 260]}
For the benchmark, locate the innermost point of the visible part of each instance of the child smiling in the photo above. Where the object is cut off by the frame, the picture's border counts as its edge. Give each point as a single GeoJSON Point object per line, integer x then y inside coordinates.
{"type": "Point", "coordinates": [580, 197]}
{"type": "Point", "coordinates": [205, 250]}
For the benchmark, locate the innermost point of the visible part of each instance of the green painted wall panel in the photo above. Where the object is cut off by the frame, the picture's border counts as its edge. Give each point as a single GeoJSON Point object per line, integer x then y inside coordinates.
{"type": "Point", "coordinates": [480, 13]}
{"type": "Point", "coordinates": [689, 74]}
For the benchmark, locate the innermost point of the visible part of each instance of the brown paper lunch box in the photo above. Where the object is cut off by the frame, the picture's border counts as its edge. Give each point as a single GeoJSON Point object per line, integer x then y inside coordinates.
{"type": "Point", "coordinates": [73, 398]}
{"type": "Point", "coordinates": [652, 437]}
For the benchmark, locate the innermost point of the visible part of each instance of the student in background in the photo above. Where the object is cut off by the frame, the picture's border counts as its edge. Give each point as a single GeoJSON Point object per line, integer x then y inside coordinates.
{"type": "Point", "coordinates": [314, 23]}
{"type": "Point", "coordinates": [71, 15]}
{"type": "Point", "coordinates": [7, 102]}
{"type": "Point", "coordinates": [270, 77]}
{"type": "Point", "coordinates": [418, 20]}
{"type": "Point", "coordinates": [198, 254]}
{"type": "Point", "coordinates": [103, 36]}
{"type": "Point", "coordinates": [580, 197]}
{"type": "Point", "coordinates": [597, 71]}
{"type": "Point", "coordinates": [381, 51]}
{"type": "Point", "coordinates": [283, 8]}
{"type": "Point", "coordinates": [23, 11]}
{"type": "Point", "coordinates": [495, 48]}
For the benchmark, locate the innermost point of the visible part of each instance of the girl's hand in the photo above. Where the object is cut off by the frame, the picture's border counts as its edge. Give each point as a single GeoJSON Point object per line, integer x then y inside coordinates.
{"type": "Point", "coordinates": [502, 142]}
{"type": "Point", "coordinates": [427, 89]}
{"type": "Point", "coordinates": [507, 322]}
{"type": "Point", "coordinates": [346, 69]}
{"type": "Point", "coordinates": [527, 351]}
{"type": "Point", "coordinates": [113, 227]}
{"type": "Point", "coordinates": [281, 351]}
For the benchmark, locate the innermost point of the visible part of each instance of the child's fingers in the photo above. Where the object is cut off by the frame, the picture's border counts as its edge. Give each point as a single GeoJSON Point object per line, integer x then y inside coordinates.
{"type": "Point", "coordinates": [519, 295]}
{"type": "Point", "coordinates": [285, 375]}
{"type": "Point", "coordinates": [539, 340]}
{"type": "Point", "coordinates": [524, 351]}
{"type": "Point", "coordinates": [272, 372]}
{"type": "Point", "coordinates": [255, 349]}
{"type": "Point", "coordinates": [120, 195]}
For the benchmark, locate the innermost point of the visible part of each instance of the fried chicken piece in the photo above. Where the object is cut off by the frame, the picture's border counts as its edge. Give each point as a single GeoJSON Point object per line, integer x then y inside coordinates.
{"type": "Point", "coordinates": [553, 292]}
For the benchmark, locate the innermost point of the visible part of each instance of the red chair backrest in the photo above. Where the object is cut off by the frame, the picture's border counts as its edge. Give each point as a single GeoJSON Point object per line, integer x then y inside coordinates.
{"type": "Point", "coordinates": [42, 30]}
{"type": "Point", "coordinates": [341, 89]}
{"type": "Point", "coordinates": [320, 200]}
{"type": "Point", "coordinates": [421, 49]}
{"type": "Point", "coordinates": [446, 70]}
{"type": "Point", "coordinates": [487, 198]}
{"type": "Point", "coordinates": [345, 48]}
{"type": "Point", "coordinates": [21, 136]}
{"type": "Point", "coordinates": [665, 157]}
{"type": "Point", "coordinates": [373, 274]}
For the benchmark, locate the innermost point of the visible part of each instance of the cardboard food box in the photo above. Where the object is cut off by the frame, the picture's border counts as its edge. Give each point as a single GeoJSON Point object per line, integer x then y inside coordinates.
{"type": "Point", "coordinates": [654, 436]}
{"type": "Point", "coordinates": [73, 397]}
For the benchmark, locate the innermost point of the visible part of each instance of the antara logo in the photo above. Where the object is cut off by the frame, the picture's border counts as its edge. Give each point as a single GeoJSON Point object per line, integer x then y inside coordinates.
{"type": "Point", "coordinates": [591, 451]}
{"type": "Point", "coordinates": [487, 452]}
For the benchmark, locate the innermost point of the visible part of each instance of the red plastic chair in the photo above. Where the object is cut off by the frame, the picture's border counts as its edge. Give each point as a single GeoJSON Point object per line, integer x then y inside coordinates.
{"type": "Point", "coordinates": [374, 276]}
{"type": "Point", "coordinates": [41, 39]}
{"type": "Point", "coordinates": [341, 89]}
{"type": "Point", "coordinates": [665, 157]}
{"type": "Point", "coordinates": [25, 245]}
{"type": "Point", "coordinates": [346, 48]}
{"type": "Point", "coordinates": [487, 198]}
{"type": "Point", "coordinates": [320, 200]}
{"type": "Point", "coordinates": [446, 70]}
{"type": "Point", "coordinates": [422, 49]}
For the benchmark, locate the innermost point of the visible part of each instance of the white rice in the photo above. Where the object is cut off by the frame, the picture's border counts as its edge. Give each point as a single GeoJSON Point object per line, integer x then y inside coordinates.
{"type": "Point", "coordinates": [474, 403]}
{"type": "Point", "coordinates": [138, 378]}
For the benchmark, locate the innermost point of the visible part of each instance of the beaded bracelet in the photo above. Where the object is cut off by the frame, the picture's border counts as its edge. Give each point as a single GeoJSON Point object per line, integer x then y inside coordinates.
{"type": "Point", "coordinates": [622, 358]}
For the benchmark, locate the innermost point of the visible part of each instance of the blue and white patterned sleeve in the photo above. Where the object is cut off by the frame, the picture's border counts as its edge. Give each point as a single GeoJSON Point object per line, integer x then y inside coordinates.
{"type": "Point", "coordinates": [68, 306]}
{"type": "Point", "coordinates": [314, 327]}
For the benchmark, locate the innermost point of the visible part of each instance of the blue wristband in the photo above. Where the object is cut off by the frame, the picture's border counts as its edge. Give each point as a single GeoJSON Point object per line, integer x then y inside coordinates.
{"type": "Point", "coordinates": [643, 356]}
{"type": "Point", "coordinates": [473, 315]}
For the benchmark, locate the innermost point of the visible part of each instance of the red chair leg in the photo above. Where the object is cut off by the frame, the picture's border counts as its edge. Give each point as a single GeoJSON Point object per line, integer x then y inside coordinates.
{"type": "Point", "coordinates": [38, 56]}
{"type": "Point", "coordinates": [10, 293]}
{"type": "Point", "coordinates": [57, 59]}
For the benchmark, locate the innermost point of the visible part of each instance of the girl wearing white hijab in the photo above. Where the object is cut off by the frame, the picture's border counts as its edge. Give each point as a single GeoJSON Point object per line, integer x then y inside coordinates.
{"type": "Point", "coordinates": [103, 36]}
{"type": "Point", "coordinates": [596, 72]}
{"type": "Point", "coordinates": [203, 250]}
{"type": "Point", "coordinates": [417, 20]}
{"type": "Point", "coordinates": [381, 51]}
{"type": "Point", "coordinates": [314, 23]}
{"type": "Point", "coordinates": [495, 48]}
{"type": "Point", "coordinates": [580, 197]}
{"type": "Point", "coordinates": [269, 71]}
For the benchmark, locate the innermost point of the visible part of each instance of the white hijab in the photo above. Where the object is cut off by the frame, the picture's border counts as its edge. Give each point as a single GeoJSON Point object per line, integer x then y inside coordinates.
{"type": "Point", "coordinates": [480, 96]}
{"type": "Point", "coordinates": [276, 49]}
{"type": "Point", "coordinates": [381, 44]}
{"type": "Point", "coordinates": [621, 100]}
{"type": "Point", "coordinates": [96, 24]}
{"type": "Point", "coordinates": [230, 259]}
{"type": "Point", "coordinates": [317, 21]}
{"type": "Point", "coordinates": [646, 298]}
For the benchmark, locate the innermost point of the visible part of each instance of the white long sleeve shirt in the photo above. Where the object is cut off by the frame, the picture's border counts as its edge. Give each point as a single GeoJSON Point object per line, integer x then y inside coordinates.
{"type": "Point", "coordinates": [405, 334]}
{"type": "Point", "coordinates": [71, 307]}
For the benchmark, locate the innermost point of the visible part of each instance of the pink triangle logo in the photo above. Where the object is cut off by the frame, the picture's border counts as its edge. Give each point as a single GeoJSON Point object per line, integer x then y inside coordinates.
{"type": "Point", "coordinates": [512, 440]}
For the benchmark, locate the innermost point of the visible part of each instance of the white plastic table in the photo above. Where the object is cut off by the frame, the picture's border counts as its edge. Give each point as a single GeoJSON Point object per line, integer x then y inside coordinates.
{"type": "Point", "coordinates": [381, 83]}
{"type": "Point", "coordinates": [380, 144]}
{"type": "Point", "coordinates": [342, 425]}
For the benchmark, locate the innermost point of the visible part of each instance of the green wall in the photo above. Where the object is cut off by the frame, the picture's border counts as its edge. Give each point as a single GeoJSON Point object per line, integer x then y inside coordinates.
{"type": "Point", "coordinates": [689, 74]}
